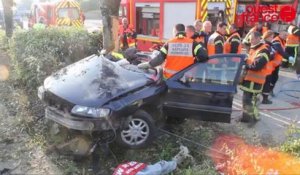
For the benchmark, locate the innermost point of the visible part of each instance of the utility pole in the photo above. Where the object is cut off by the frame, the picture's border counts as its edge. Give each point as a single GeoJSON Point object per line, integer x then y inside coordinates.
{"type": "Point", "coordinates": [8, 16]}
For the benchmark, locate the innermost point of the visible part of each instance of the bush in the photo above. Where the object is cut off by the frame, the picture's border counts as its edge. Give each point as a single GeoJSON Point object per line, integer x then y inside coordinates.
{"type": "Point", "coordinates": [3, 40]}
{"type": "Point", "coordinates": [38, 53]}
{"type": "Point", "coordinates": [292, 144]}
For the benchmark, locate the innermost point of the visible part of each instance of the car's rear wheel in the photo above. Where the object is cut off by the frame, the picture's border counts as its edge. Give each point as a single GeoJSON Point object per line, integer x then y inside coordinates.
{"type": "Point", "coordinates": [139, 131]}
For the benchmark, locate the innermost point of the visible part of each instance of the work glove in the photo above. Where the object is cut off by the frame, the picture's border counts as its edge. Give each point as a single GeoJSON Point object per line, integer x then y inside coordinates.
{"type": "Point", "coordinates": [292, 60]}
{"type": "Point", "coordinates": [145, 65]}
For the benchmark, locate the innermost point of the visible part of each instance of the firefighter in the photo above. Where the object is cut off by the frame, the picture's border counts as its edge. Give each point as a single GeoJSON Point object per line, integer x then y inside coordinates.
{"type": "Point", "coordinates": [127, 35]}
{"type": "Point", "coordinates": [292, 43]}
{"type": "Point", "coordinates": [205, 33]}
{"type": "Point", "coordinates": [191, 33]}
{"type": "Point", "coordinates": [178, 53]}
{"type": "Point", "coordinates": [233, 42]}
{"type": "Point", "coordinates": [198, 26]}
{"type": "Point", "coordinates": [267, 38]}
{"type": "Point", "coordinates": [254, 78]}
{"type": "Point", "coordinates": [257, 28]}
{"type": "Point", "coordinates": [215, 43]}
{"type": "Point", "coordinates": [278, 44]}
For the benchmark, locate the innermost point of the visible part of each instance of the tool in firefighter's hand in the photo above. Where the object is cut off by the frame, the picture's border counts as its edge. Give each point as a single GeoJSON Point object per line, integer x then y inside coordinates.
{"type": "Point", "coordinates": [292, 60]}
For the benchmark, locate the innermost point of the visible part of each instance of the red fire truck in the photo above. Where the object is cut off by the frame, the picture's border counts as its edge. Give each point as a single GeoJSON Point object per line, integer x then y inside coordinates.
{"type": "Point", "coordinates": [154, 19]}
{"type": "Point", "coordinates": [61, 13]}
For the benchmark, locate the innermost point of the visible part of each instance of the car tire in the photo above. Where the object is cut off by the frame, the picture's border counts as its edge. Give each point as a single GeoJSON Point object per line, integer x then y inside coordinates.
{"type": "Point", "coordinates": [139, 132]}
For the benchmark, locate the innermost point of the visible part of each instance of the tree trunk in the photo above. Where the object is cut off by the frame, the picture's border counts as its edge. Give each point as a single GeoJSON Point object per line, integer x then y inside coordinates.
{"type": "Point", "coordinates": [110, 14]}
{"type": "Point", "coordinates": [8, 16]}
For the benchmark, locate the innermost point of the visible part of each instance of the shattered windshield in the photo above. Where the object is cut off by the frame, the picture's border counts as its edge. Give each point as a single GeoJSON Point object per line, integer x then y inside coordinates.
{"type": "Point", "coordinates": [113, 78]}
{"type": "Point", "coordinates": [95, 78]}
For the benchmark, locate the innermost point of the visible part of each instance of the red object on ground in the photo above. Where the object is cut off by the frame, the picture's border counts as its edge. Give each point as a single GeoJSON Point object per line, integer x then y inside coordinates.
{"type": "Point", "coordinates": [129, 168]}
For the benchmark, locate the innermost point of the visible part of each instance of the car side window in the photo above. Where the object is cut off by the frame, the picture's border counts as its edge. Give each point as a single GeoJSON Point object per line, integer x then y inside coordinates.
{"type": "Point", "coordinates": [221, 70]}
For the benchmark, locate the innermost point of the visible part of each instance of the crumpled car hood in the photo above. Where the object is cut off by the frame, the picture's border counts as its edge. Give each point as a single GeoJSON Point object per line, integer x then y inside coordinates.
{"type": "Point", "coordinates": [94, 81]}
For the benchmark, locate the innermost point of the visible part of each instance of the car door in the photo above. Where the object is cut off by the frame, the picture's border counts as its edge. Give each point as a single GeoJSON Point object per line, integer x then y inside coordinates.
{"type": "Point", "coordinates": [205, 90]}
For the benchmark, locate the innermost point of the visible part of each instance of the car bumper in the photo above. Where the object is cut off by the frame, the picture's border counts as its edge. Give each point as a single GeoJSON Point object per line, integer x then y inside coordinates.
{"type": "Point", "coordinates": [77, 123]}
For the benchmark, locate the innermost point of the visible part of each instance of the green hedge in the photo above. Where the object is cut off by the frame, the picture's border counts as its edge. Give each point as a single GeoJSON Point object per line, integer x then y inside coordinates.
{"type": "Point", "coordinates": [38, 53]}
{"type": "Point", "coordinates": [3, 40]}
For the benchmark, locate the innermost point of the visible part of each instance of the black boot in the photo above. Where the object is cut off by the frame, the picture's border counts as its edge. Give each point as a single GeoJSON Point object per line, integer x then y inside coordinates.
{"type": "Point", "coordinates": [266, 101]}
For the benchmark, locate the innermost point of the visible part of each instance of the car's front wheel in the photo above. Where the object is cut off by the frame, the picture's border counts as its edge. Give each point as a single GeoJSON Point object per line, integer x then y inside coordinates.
{"type": "Point", "coordinates": [139, 132]}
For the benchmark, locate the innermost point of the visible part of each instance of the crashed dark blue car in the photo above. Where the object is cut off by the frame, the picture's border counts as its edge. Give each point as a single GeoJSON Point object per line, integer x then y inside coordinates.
{"type": "Point", "coordinates": [99, 95]}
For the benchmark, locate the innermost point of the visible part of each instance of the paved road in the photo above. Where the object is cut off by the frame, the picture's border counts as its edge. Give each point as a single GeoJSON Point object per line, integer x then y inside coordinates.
{"type": "Point", "coordinates": [279, 116]}
{"type": "Point", "coordinates": [93, 21]}
{"type": "Point", "coordinates": [93, 25]}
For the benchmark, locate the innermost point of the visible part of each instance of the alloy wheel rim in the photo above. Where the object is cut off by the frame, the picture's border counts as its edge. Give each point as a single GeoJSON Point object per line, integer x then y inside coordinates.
{"type": "Point", "coordinates": [136, 133]}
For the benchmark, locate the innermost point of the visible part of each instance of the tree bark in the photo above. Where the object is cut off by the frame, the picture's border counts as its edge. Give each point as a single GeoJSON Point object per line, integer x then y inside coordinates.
{"type": "Point", "coordinates": [8, 16]}
{"type": "Point", "coordinates": [110, 14]}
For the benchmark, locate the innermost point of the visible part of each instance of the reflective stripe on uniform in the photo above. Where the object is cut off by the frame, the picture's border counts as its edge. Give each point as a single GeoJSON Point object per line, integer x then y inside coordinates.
{"type": "Point", "coordinates": [164, 50]}
{"type": "Point", "coordinates": [292, 45]}
{"type": "Point", "coordinates": [237, 40]}
{"type": "Point", "coordinates": [263, 55]}
{"type": "Point", "coordinates": [276, 42]}
{"type": "Point", "coordinates": [219, 42]}
{"type": "Point", "coordinates": [197, 48]}
{"type": "Point", "coordinates": [251, 89]}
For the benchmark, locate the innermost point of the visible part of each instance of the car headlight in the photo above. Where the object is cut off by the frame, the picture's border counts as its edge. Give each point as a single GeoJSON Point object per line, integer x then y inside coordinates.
{"type": "Point", "coordinates": [90, 112]}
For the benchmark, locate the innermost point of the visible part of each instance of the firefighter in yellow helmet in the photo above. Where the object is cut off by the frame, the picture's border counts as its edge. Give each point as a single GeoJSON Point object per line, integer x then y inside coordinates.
{"type": "Point", "coordinates": [255, 77]}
